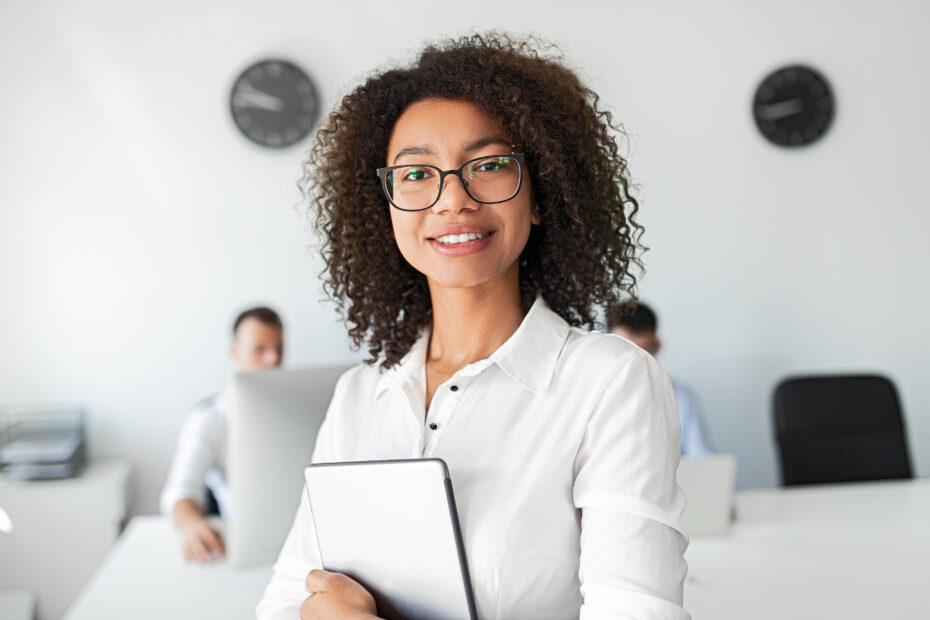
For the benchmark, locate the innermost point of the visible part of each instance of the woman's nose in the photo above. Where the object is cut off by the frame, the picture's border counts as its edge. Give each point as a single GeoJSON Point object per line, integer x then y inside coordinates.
{"type": "Point", "coordinates": [453, 197]}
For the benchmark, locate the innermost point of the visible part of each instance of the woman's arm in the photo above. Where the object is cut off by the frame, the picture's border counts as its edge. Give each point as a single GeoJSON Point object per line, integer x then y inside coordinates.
{"type": "Point", "coordinates": [632, 546]}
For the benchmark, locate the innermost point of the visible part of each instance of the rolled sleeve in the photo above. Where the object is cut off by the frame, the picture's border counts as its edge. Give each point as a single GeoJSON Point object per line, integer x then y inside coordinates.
{"type": "Point", "coordinates": [632, 546]}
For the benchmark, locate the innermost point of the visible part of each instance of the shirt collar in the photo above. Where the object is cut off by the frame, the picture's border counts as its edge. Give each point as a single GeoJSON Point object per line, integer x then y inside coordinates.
{"type": "Point", "coordinates": [528, 357]}
{"type": "Point", "coordinates": [409, 369]}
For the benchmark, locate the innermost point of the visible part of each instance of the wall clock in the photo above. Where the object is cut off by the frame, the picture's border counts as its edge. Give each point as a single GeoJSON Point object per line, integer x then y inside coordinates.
{"type": "Point", "coordinates": [793, 106]}
{"type": "Point", "coordinates": [274, 103]}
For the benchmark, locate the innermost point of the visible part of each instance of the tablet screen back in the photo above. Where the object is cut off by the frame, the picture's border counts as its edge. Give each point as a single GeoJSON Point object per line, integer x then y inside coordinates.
{"type": "Point", "coordinates": [392, 526]}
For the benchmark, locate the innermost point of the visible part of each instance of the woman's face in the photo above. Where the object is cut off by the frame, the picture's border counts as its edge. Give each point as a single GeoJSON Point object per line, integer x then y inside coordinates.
{"type": "Point", "coordinates": [447, 133]}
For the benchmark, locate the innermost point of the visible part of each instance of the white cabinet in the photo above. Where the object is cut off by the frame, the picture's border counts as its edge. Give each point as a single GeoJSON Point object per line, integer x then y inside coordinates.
{"type": "Point", "coordinates": [61, 532]}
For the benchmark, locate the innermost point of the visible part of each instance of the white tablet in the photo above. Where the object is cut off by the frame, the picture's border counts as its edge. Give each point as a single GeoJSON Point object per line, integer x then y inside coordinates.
{"type": "Point", "coordinates": [392, 526]}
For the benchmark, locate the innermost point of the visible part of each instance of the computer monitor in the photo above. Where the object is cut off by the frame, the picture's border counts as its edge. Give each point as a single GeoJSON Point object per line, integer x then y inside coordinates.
{"type": "Point", "coordinates": [274, 419]}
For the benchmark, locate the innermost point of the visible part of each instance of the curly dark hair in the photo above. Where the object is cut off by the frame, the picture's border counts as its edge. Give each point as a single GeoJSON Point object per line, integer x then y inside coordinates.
{"type": "Point", "coordinates": [580, 258]}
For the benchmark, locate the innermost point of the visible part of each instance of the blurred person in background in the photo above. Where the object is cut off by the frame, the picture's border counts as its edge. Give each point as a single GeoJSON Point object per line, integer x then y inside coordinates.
{"type": "Point", "coordinates": [638, 323]}
{"type": "Point", "coordinates": [199, 462]}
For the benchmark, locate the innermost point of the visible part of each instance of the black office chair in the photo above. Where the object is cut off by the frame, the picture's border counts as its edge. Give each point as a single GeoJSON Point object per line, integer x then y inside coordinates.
{"type": "Point", "coordinates": [210, 505]}
{"type": "Point", "coordinates": [839, 429]}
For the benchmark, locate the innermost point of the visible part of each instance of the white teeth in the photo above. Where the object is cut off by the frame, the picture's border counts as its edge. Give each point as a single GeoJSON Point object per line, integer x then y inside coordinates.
{"type": "Point", "coordinates": [463, 237]}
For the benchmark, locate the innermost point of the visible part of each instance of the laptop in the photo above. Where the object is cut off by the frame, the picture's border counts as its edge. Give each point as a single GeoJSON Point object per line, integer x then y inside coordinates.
{"type": "Point", "coordinates": [274, 418]}
{"type": "Point", "coordinates": [708, 485]}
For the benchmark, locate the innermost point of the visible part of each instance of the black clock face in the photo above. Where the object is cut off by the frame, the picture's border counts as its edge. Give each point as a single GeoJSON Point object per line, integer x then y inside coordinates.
{"type": "Point", "coordinates": [274, 103]}
{"type": "Point", "coordinates": [793, 106]}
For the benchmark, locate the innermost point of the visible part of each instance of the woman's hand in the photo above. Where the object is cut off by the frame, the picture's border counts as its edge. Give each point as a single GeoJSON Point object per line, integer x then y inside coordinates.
{"type": "Point", "coordinates": [333, 595]}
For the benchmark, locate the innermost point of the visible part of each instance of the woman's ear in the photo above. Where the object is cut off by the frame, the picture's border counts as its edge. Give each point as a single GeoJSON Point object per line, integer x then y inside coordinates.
{"type": "Point", "coordinates": [534, 215]}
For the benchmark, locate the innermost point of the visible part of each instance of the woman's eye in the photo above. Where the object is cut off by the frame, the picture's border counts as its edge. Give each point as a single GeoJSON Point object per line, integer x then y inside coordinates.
{"type": "Point", "coordinates": [495, 165]}
{"type": "Point", "coordinates": [415, 174]}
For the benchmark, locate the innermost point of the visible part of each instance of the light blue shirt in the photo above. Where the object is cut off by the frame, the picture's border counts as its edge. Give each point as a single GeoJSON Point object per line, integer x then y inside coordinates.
{"type": "Point", "coordinates": [694, 443]}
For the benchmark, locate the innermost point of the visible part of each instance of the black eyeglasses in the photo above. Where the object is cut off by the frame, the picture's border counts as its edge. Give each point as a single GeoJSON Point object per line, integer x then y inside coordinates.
{"type": "Point", "coordinates": [490, 179]}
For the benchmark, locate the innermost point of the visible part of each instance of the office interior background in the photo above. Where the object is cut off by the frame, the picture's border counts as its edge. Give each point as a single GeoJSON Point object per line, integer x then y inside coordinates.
{"type": "Point", "coordinates": [136, 220]}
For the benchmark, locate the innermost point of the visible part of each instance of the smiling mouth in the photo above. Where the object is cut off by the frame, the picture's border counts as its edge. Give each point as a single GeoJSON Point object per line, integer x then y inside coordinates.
{"type": "Point", "coordinates": [462, 238]}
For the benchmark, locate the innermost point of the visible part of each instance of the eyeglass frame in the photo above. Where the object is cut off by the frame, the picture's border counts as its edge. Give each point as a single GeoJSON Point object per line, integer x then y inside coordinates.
{"type": "Point", "coordinates": [383, 172]}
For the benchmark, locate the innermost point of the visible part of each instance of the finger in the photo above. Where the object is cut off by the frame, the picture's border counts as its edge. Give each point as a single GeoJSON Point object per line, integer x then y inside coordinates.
{"type": "Point", "coordinates": [198, 551]}
{"type": "Point", "coordinates": [316, 580]}
{"type": "Point", "coordinates": [308, 607]}
{"type": "Point", "coordinates": [190, 554]}
{"type": "Point", "coordinates": [213, 542]}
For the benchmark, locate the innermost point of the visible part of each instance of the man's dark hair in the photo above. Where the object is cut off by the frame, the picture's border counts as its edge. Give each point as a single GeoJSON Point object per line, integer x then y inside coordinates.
{"type": "Point", "coordinates": [265, 316]}
{"type": "Point", "coordinates": [633, 315]}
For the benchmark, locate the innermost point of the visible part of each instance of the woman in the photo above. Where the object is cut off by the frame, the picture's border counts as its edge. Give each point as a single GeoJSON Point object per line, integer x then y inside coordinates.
{"type": "Point", "coordinates": [475, 212]}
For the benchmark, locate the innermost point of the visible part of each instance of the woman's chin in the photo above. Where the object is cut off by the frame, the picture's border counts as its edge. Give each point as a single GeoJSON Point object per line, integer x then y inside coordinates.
{"type": "Point", "coordinates": [461, 280]}
{"type": "Point", "coordinates": [456, 283]}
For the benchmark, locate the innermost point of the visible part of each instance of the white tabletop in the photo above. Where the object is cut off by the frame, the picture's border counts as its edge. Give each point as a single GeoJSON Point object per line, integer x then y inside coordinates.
{"type": "Point", "coordinates": [841, 551]}
{"type": "Point", "coordinates": [146, 577]}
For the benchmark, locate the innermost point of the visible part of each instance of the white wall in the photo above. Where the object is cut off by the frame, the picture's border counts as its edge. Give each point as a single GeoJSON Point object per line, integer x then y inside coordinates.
{"type": "Point", "coordinates": [135, 221]}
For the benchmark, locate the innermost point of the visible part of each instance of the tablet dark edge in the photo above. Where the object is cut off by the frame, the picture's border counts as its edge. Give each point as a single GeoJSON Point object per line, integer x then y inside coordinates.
{"type": "Point", "coordinates": [463, 562]}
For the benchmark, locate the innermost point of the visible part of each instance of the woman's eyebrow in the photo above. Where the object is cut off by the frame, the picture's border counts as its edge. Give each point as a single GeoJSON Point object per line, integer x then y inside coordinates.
{"type": "Point", "coordinates": [475, 145]}
{"type": "Point", "coordinates": [414, 150]}
{"type": "Point", "coordinates": [486, 141]}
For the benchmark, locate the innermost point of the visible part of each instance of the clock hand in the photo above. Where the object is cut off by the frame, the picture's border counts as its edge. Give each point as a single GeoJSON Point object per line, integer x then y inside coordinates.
{"type": "Point", "coordinates": [775, 111]}
{"type": "Point", "coordinates": [258, 100]}
{"type": "Point", "coordinates": [245, 87]}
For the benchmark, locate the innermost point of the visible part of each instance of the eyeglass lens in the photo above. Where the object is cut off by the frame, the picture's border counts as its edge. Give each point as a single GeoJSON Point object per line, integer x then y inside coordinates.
{"type": "Point", "coordinates": [489, 179]}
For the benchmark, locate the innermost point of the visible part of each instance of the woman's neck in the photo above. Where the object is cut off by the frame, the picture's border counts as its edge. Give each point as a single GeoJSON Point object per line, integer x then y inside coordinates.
{"type": "Point", "coordinates": [469, 324]}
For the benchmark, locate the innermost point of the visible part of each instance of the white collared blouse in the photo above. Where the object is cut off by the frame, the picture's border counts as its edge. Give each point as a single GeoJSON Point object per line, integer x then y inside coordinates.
{"type": "Point", "coordinates": [562, 448]}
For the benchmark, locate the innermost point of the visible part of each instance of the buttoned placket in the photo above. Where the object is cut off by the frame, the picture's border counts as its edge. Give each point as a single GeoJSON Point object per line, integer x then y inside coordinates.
{"type": "Point", "coordinates": [410, 377]}
{"type": "Point", "coordinates": [445, 402]}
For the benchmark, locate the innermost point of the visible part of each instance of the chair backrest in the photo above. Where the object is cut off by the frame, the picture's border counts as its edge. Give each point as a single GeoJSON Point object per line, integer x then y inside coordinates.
{"type": "Point", "coordinates": [210, 505]}
{"type": "Point", "coordinates": [839, 428]}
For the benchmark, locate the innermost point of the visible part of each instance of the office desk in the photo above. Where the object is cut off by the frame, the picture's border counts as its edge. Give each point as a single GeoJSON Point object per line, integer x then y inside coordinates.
{"type": "Point", "coordinates": [844, 551]}
{"type": "Point", "coordinates": [62, 532]}
{"type": "Point", "coordinates": [146, 577]}
{"type": "Point", "coordinates": [841, 551]}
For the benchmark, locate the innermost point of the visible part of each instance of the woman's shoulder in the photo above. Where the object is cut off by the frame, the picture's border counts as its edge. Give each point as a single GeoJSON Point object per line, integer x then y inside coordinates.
{"type": "Point", "coordinates": [599, 361]}
{"type": "Point", "coordinates": [361, 378]}
{"type": "Point", "coordinates": [597, 350]}
{"type": "Point", "coordinates": [620, 371]}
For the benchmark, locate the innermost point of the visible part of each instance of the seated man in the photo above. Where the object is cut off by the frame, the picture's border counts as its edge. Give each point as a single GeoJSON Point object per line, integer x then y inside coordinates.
{"type": "Point", "coordinates": [200, 459]}
{"type": "Point", "coordinates": [636, 322]}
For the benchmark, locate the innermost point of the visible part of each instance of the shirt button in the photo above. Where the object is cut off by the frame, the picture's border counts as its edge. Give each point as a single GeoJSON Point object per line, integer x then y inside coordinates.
{"type": "Point", "coordinates": [454, 388]}
{"type": "Point", "coordinates": [433, 426]}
